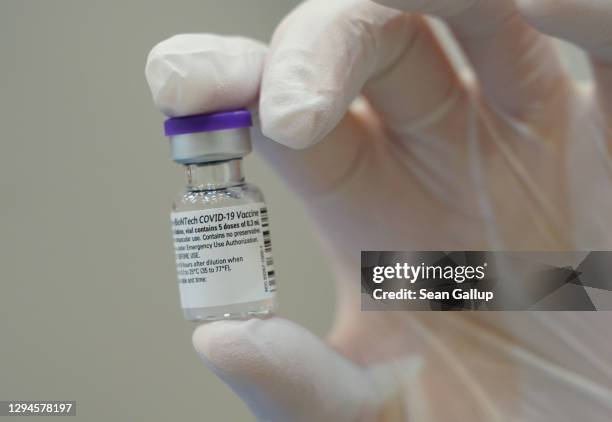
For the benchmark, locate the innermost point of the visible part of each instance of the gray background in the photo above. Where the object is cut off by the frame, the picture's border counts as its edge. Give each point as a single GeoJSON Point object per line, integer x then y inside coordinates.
{"type": "Point", "coordinates": [88, 299]}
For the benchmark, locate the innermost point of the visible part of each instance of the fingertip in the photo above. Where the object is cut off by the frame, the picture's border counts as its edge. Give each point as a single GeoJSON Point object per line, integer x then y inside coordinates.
{"type": "Point", "coordinates": [283, 371]}
{"type": "Point", "coordinates": [319, 59]}
{"type": "Point", "coordinates": [298, 125]}
{"type": "Point", "coordinates": [160, 77]}
{"type": "Point", "coordinates": [223, 345]}
{"type": "Point", "coordinates": [209, 333]}
{"type": "Point", "coordinates": [295, 110]}
{"type": "Point", "coordinates": [199, 73]}
{"type": "Point", "coordinates": [245, 349]}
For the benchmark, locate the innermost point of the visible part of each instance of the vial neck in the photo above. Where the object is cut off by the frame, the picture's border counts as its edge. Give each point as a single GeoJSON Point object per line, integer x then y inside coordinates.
{"type": "Point", "coordinates": [215, 175]}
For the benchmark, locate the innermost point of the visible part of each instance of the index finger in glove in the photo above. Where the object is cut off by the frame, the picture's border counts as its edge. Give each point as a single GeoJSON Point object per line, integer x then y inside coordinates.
{"type": "Point", "coordinates": [323, 54]}
{"type": "Point", "coordinates": [200, 73]}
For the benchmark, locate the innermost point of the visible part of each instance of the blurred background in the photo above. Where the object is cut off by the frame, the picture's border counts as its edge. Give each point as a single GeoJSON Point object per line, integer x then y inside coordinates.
{"type": "Point", "coordinates": [89, 306]}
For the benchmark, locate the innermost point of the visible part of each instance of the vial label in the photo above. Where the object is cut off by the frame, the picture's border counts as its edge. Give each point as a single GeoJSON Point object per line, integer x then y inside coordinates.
{"type": "Point", "coordinates": [223, 255]}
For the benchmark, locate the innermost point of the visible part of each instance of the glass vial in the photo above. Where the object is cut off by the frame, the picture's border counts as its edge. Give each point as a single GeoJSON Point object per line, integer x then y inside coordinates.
{"type": "Point", "coordinates": [219, 222]}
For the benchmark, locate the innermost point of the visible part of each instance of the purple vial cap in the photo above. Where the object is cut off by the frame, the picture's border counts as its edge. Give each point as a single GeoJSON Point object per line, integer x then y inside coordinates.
{"type": "Point", "coordinates": [232, 119]}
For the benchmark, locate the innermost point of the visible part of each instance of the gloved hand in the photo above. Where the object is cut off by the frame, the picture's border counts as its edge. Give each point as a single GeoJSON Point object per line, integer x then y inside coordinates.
{"type": "Point", "coordinates": [511, 156]}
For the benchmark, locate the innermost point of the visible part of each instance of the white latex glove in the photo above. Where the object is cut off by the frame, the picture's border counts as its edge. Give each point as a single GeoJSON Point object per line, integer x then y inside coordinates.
{"type": "Point", "coordinates": [515, 159]}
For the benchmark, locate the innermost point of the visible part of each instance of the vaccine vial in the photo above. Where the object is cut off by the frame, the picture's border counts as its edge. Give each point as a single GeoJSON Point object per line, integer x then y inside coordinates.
{"type": "Point", "coordinates": [219, 222]}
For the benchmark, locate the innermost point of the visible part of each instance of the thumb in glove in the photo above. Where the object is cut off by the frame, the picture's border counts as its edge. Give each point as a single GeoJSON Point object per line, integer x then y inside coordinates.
{"type": "Point", "coordinates": [283, 372]}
